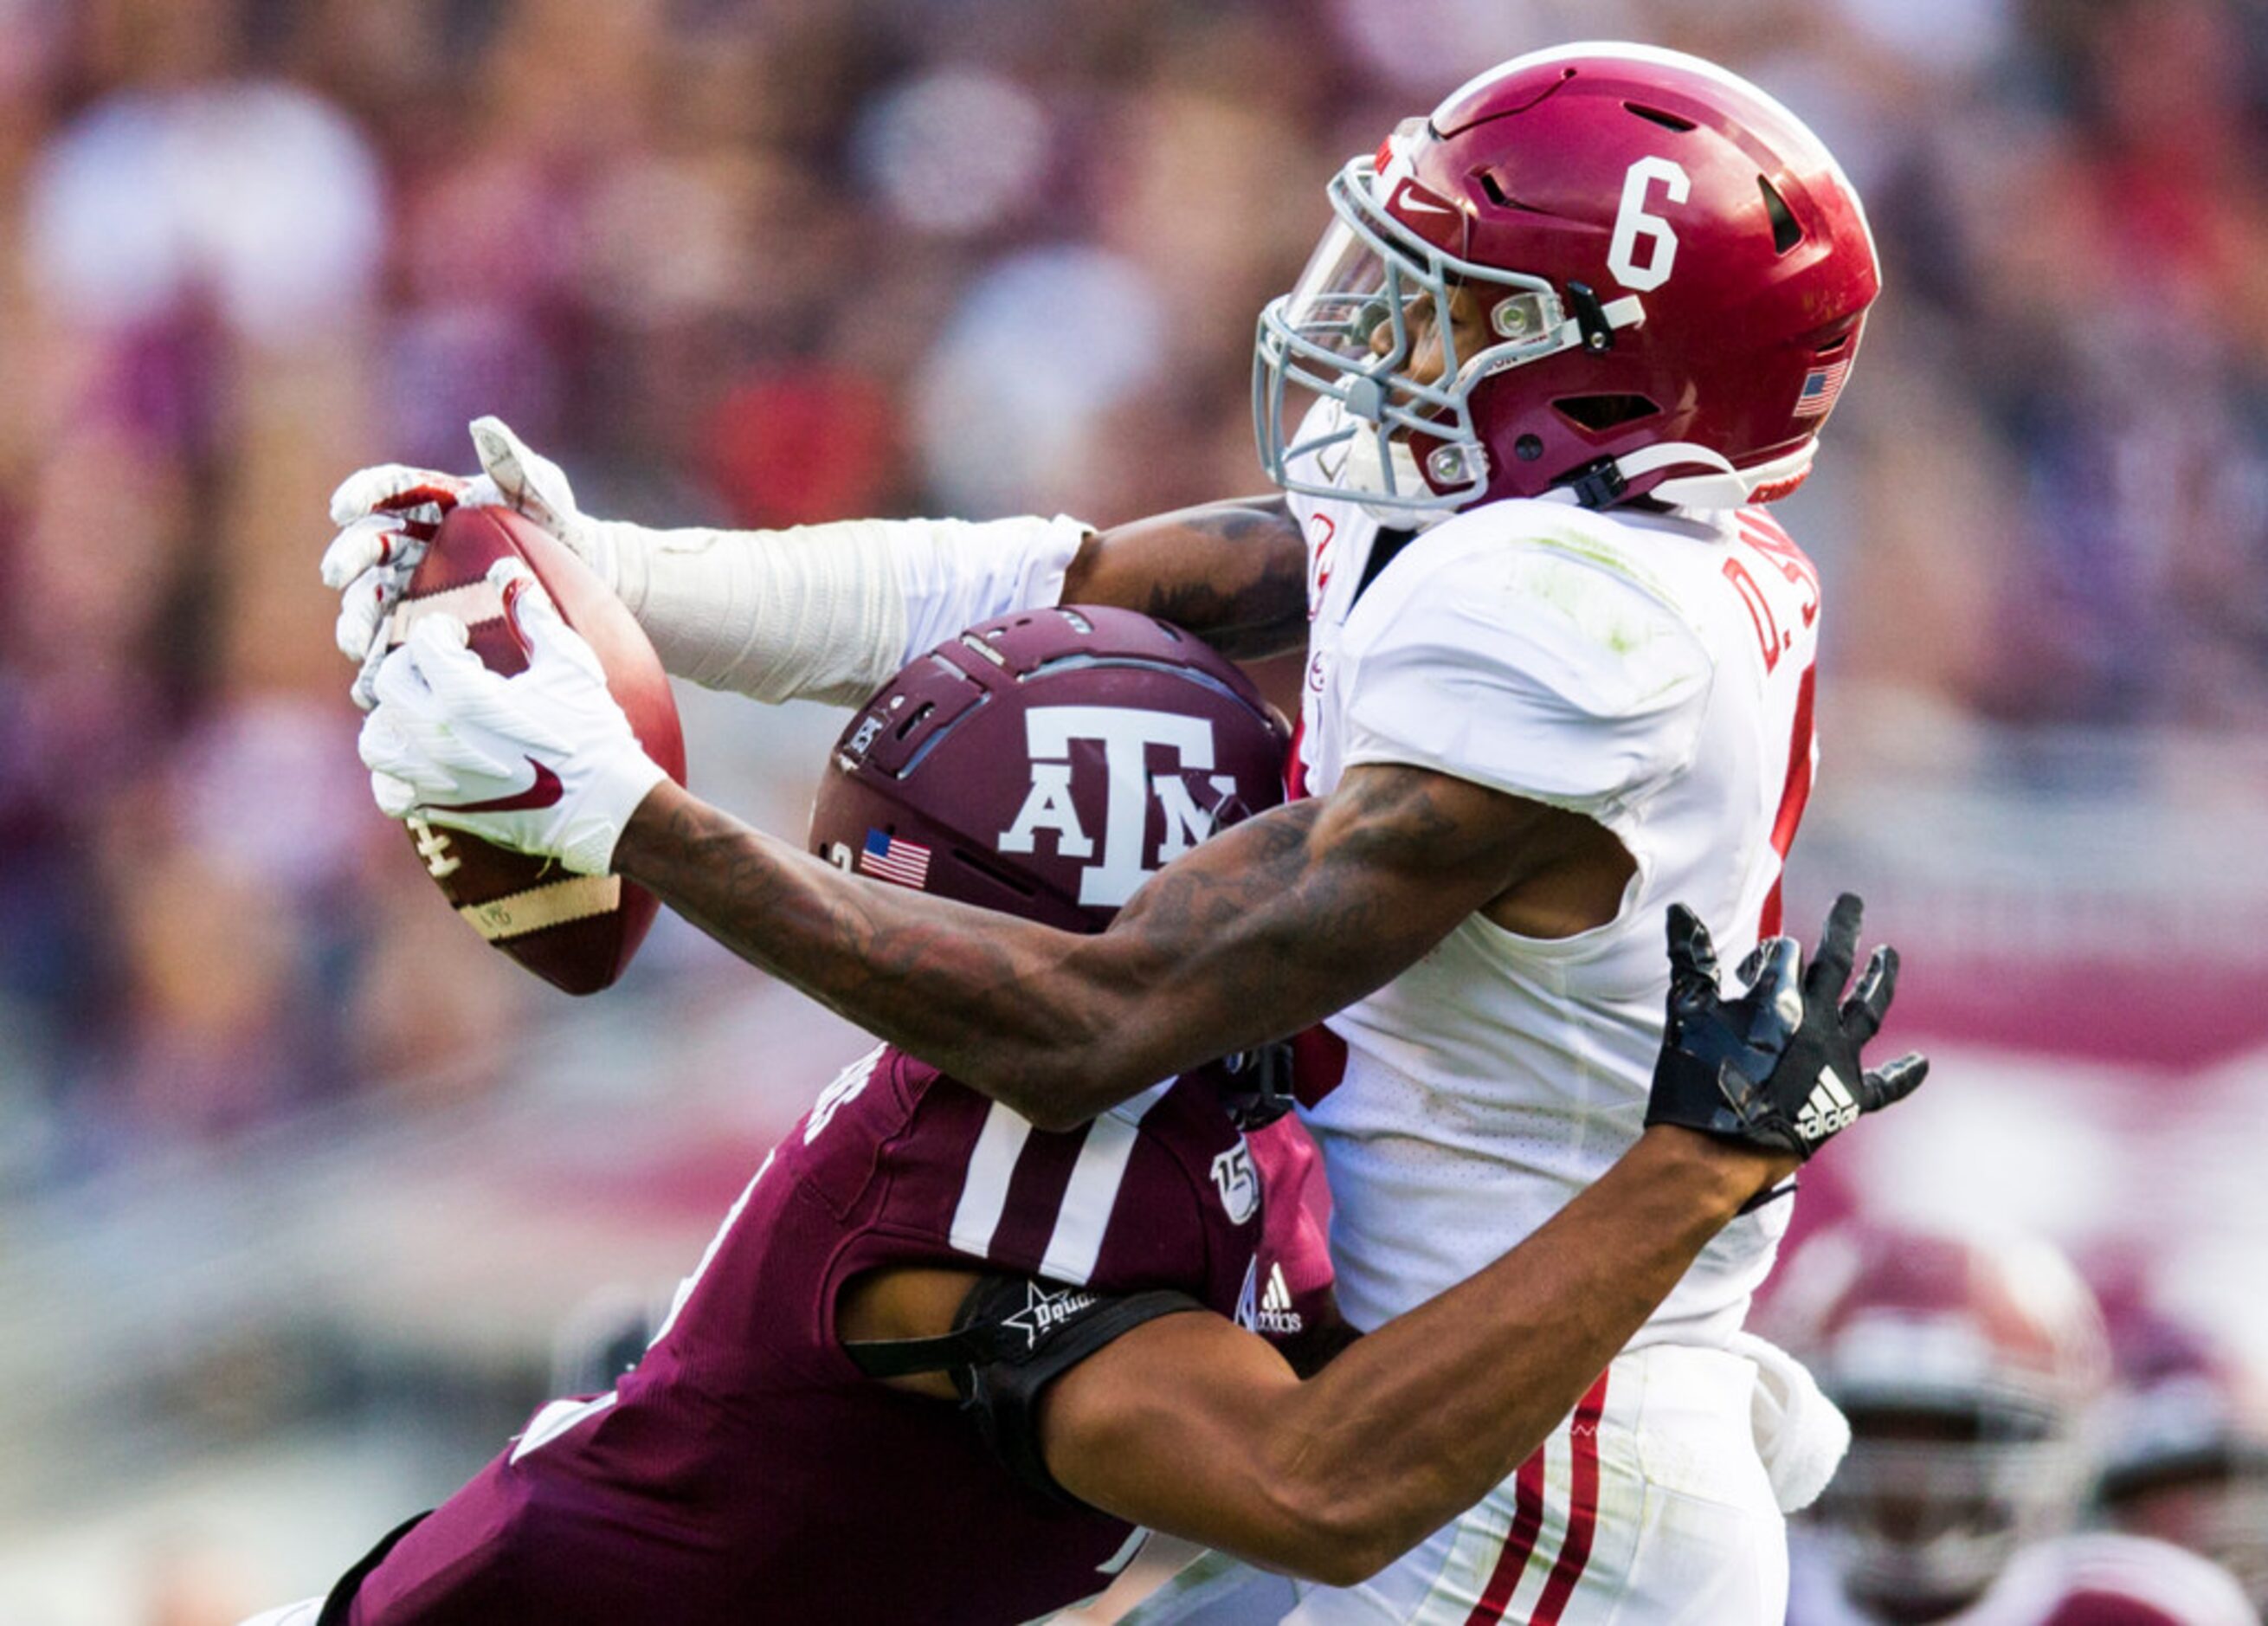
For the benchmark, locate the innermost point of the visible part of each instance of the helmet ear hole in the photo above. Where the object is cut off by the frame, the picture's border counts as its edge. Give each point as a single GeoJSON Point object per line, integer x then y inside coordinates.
{"type": "Point", "coordinates": [1786, 230]}
{"type": "Point", "coordinates": [1597, 414]}
{"type": "Point", "coordinates": [999, 875]}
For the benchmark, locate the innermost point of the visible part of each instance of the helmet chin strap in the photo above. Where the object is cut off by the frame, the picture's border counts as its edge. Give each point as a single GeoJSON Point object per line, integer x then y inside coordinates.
{"type": "Point", "coordinates": [1724, 486]}
{"type": "Point", "coordinates": [1364, 473]}
{"type": "Point", "coordinates": [1720, 486]}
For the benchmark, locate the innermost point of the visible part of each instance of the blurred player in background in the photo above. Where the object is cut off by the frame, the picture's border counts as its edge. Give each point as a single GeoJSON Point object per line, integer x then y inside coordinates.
{"type": "Point", "coordinates": [1969, 1369]}
{"type": "Point", "coordinates": [786, 1451]}
{"type": "Point", "coordinates": [2185, 1447]}
{"type": "Point", "coordinates": [1561, 338]}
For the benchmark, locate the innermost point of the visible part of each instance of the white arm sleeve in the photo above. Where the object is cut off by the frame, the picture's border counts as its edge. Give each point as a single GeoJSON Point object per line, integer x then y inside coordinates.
{"type": "Point", "coordinates": [1525, 670]}
{"type": "Point", "coordinates": [827, 612]}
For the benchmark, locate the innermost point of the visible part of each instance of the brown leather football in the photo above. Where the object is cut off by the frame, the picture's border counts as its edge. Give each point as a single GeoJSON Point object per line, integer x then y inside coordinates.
{"type": "Point", "coordinates": [575, 932]}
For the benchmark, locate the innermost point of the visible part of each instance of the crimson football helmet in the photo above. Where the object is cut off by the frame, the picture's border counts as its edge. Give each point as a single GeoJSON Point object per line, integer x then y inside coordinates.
{"type": "Point", "coordinates": [1608, 267]}
{"type": "Point", "coordinates": [1969, 1369]}
{"type": "Point", "coordinates": [1047, 763]}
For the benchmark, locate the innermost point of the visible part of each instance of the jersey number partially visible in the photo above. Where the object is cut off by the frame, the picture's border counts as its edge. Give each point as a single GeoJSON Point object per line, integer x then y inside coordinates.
{"type": "Point", "coordinates": [1777, 553]}
{"type": "Point", "coordinates": [1782, 555]}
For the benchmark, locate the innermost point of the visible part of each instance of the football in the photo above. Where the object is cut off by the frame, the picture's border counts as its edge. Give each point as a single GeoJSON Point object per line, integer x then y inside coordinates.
{"type": "Point", "coordinates": [575, 932]}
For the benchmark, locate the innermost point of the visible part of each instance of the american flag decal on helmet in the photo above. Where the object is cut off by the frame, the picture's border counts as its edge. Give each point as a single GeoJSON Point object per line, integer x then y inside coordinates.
{"type": "Point", "coordinates": [906, 862]}
{"type": "Point", "coordinates": [1821, 386]}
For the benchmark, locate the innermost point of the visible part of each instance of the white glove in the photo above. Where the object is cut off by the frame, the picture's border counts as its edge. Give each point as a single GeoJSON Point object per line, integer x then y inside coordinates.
{"type": "Point", "coordinates": [389, 514]}
{"type": "Point", "coordinates": [543, 762]}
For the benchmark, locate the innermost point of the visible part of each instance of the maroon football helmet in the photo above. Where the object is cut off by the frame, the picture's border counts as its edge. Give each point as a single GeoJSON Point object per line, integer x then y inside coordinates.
{"type": "Point", "coordinates": [1048, 763]}
{"type": "Point", "coordinates": [1968, 1367]}
{"type": "Point", "coordinates": [1608, 267]}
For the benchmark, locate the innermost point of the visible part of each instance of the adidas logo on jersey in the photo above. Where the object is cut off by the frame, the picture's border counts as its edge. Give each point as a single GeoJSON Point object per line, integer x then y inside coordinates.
{"type": "Point", "coordinates": [1829, 1110]}
{"type": "Point", "coordinates": [1275, 1312]}
{"type": "Point", "coordinates": [1269, 1310]}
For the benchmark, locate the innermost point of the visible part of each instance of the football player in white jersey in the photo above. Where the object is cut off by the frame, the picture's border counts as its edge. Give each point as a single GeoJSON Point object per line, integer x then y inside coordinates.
{"type": "Point", "coordinates": [1970, 1367]}
{"type": "Point", "coordinates": [1561, 338]}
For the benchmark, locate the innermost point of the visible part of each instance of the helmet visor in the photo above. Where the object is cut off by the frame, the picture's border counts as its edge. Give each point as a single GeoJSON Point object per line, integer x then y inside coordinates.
{"type": "Point", "coordinates": [1398, 332]}
{"type": "Point", "coordinates": [1353, 305]}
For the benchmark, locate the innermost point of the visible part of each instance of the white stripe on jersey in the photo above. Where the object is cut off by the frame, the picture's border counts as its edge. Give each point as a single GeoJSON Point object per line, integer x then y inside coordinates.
{"type": "Point", "coordinates": [985, 1192]}
{"type": "Point", "coordinates": [556, 1418]}
{"type": "Point", "coordinates": [305, 1612]}
{"type": "Point", "coordinates": [1075, 1242]}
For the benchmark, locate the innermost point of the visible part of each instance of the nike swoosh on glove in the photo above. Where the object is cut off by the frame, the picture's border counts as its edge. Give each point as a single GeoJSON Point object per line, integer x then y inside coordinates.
{"type": "Point", "coordinates": [1777, 1066]}
{"type": "Point", "coordinates": [543, 762]}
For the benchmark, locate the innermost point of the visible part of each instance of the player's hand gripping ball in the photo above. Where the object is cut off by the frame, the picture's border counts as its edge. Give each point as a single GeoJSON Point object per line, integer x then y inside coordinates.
{"type": "Point", "coordinates": [481, 756]}
{"type": "Point", "coordinates": [388, 514]}
{"type": "Point", "coordinates": [1778, 1066]}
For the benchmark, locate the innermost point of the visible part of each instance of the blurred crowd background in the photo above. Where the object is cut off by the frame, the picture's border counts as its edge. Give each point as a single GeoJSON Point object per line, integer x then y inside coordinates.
{"type": "Point", "coordinates": [303, 1189]}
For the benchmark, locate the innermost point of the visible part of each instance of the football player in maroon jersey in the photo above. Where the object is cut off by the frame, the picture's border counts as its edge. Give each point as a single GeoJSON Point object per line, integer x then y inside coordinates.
{"type": "Point", "coordinates": [790, 1448]}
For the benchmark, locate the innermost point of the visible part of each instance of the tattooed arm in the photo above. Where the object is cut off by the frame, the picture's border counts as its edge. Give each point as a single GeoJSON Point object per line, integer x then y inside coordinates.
{"type": "Point", "coordinates": [1261, 930]}
{"type": "Point", "coordinates": [1234, 572]}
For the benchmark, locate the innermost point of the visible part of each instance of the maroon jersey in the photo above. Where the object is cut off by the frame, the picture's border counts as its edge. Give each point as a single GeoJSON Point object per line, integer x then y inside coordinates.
{"type": "Point", "coordinates": [747, 1471]}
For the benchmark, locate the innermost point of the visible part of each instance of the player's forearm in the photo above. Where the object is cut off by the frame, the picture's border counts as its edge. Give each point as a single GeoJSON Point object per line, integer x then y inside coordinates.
{"type": "Point", "coordinates": [1189, 1427]}
{"type": "Point", "coordinates": [1042, 1020]}
{"type": "Point", "coordinates": [1234, 572]}
{"type": "Point", "coordinates": [1261, 931]}
{"type": "Point", "coordinates": [1417, 1420]}
{"type": "Point", "coordinates": [827, 612]}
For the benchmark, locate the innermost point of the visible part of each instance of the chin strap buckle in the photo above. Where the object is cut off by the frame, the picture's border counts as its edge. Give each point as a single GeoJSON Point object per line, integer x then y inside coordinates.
{"type": "Point", "coordinates": [1600, 484]}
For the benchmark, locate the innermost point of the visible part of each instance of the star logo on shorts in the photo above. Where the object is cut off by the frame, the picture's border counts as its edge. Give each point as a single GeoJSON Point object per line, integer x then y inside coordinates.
{"type": "Point", "coordinates": [1045, 1313]}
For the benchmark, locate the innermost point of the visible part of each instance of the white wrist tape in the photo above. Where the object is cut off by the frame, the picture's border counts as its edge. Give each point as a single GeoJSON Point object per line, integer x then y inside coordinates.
{"type": "Point", "coordinates": [1800, 1434]}
{"type": "Point", "coordinates": [827, 612]}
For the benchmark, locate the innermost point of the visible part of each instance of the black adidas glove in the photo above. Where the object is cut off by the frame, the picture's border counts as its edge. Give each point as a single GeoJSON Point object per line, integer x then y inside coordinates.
{"type": "Point", "coordinates": [1778, 1067]}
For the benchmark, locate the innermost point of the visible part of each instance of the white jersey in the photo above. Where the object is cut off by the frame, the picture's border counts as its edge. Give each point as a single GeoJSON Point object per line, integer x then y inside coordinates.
{"type": "Point", "coordinates": [1651, 671]}
{"type": "Point", "coordinates": [2116, 1580]}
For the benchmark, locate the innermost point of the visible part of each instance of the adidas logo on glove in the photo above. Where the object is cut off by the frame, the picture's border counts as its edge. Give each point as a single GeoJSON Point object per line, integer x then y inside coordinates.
{"type": "Point", "coordinates": [1829, 1110]}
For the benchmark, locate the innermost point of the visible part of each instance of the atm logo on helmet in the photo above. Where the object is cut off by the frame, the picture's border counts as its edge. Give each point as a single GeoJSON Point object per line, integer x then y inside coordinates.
{"type": "Point", "coordinates": [1127, 736]}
